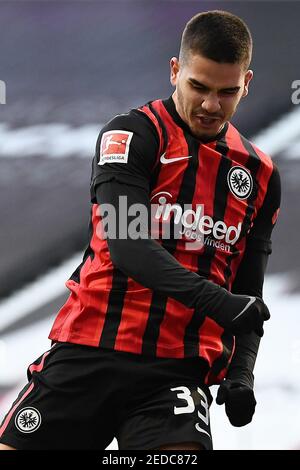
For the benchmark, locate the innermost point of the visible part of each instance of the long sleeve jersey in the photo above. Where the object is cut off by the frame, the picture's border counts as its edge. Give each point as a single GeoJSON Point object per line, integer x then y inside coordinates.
{"type": "Point", "coordinates": [211, 207]}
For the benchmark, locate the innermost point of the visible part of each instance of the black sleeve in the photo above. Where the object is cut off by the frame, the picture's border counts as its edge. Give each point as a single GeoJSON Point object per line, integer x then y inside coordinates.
{"type": "Point", "coordinates": [250, 277]}
{"type": "Point", "coordinates": [126, 150]}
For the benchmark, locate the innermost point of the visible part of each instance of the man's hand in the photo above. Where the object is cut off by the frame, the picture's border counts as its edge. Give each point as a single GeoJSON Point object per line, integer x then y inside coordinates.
{"type": "Point", "coordinates": [239, 402]}
{"type": "Point", "coordinates": [243, 314]}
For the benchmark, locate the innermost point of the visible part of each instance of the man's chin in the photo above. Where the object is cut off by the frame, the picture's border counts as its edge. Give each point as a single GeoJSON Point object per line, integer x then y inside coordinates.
{"type": "Point", "coordinates": [205, 134]}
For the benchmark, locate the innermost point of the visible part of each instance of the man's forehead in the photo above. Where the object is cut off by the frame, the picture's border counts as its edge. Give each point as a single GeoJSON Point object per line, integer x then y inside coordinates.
{"type": "Point", "coordinates": [195, 60]}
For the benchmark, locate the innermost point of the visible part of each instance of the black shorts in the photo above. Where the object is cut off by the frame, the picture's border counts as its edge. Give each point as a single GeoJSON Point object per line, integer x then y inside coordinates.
{"type": "Point", "coordinates": [81, 397]}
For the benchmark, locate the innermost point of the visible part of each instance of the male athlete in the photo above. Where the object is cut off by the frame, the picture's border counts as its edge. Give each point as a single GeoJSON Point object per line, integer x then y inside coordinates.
{"type": "Point", "coordinates": [168, 298]}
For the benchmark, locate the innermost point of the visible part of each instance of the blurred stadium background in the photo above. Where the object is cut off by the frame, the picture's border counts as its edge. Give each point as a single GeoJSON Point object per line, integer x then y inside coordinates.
{"type": "Point", "coordinates": [69, 67]}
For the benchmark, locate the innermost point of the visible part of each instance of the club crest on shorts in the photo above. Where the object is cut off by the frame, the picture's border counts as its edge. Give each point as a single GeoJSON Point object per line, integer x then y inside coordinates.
{"type": "Point", "coordinates": [28, 420]}
{"type": "Point", "coordinates": [114, 147]}
{"type": "Point", "coordinates": [240, 182]}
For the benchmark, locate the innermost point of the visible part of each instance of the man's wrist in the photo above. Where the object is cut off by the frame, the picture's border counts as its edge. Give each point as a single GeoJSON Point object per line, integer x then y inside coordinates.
{"type": "Point", "coordinates": [242, 376]}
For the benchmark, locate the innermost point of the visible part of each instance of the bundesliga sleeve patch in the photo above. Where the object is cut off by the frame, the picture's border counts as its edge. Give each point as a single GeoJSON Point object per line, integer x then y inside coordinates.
{"type": "Point", "coordinates": [114, 147]}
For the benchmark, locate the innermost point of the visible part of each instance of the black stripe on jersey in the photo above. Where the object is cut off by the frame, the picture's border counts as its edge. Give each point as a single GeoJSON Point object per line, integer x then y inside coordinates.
{"type": "Point", "coordinates": [185, 196]}
{"type": "Point", "coordinates": [253, 164]}
{"type": "Point", "coordinates": [191, 337]}
{"type": "Point", "coordinates": [227, 270]}
{"type": "Point", "coordinates": [156, 314]}
{"type": "Point", "coordinates": [162, 126]}
{"type": "Point", "coordinates": [220, 202]}
{"type": "Point", "coordinates": [114, 309]}
{"type": "Point", "coordinates": [88, 252]}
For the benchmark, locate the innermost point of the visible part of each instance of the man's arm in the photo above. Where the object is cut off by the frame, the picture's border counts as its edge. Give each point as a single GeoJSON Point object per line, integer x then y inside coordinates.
{"type": "Point", "coordinates": [237, 390]}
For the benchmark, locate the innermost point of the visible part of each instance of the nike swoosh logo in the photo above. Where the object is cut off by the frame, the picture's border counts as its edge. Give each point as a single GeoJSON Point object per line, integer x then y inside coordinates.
{"type": "Point", "coordinates": [251, 301]}
{"type": "Point", "coordinates": [202, 430]}
{"type": "Point", "coordinates": [172, 160]}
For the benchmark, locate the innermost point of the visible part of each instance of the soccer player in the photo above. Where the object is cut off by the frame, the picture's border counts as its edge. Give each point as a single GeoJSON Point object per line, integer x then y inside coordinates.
{"type": "Point", "coordinates": [168, 298]}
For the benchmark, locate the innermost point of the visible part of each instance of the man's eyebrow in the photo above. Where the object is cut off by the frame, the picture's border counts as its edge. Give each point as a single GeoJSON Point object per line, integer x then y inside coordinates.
{"type": "Point", "coordinates": [195, 82]}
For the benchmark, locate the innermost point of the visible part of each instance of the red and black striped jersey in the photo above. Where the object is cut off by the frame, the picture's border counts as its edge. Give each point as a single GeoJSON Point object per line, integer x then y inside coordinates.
{"type": "Point", "coordinates": [229, 188]}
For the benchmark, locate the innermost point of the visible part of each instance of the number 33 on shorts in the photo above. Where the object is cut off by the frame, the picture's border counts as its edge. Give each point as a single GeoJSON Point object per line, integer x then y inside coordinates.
{"type": "Point", "coordinates": [190, 401]}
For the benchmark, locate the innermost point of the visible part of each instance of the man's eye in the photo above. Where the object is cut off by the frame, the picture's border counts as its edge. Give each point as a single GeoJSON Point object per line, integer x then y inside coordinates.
{"type": "Point", "coordinates": [229, 92]}
{"type": "Point", "coordinates": [197, 87]}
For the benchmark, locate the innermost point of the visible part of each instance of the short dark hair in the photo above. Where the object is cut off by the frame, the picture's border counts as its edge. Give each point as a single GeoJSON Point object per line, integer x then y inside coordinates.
{"type": "Point", "coordinates": [217, 35]}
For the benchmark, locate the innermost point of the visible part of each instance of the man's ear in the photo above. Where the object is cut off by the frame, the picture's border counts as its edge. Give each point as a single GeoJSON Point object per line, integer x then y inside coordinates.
{"type": "Point", "coordinates": [174, 69]}
{"type": "Point", "coordinates": [247, 80]}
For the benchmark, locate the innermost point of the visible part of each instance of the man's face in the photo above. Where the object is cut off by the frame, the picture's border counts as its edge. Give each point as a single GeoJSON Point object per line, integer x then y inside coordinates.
{"type": "Point", "coordinates": [207, 92]}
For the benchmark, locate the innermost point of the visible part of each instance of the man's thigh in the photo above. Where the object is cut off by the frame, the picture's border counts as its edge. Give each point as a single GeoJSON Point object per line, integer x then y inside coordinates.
{"type": "Point", "coordinates": [5, 447]}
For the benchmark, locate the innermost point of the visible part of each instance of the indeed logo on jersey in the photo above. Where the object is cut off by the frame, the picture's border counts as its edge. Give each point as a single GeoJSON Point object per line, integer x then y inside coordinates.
{"type": "Point", "coordinates": [114, 147]}
{"type": "Point", "coordinates": [167, 221]}
{"type": "Point", "coordinates": [195, 226]}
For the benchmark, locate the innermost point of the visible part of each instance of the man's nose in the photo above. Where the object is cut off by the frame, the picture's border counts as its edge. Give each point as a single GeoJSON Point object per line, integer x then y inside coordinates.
{"type": "Point", "coordinates": [211, 104]}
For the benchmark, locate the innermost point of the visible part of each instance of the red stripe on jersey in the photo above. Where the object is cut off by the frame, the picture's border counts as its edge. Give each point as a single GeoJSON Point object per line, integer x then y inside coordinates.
{"type": "Point", "coordinates": [172, 330]}
{"type": "Point", "coordinates": [146, 110]}
{"type": "Point", "coordinates": [275, 216]}
{"type": "Point", "coordinates": [209, 162]}
{"type": "Point", "coordinates": [83, 315]}
{"type": "Point", "coordinates": [237, 152]}
{"type": "Point", "coordinates": [132, 326]}
{"type": "Point", "coordinates": [210, 344]}
{"type": "Point", "coordinates": [171, 174]}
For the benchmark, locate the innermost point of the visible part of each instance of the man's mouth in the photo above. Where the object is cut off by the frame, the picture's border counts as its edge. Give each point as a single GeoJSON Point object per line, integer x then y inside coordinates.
{"type": "Point", "coordinates": [206, 121]}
